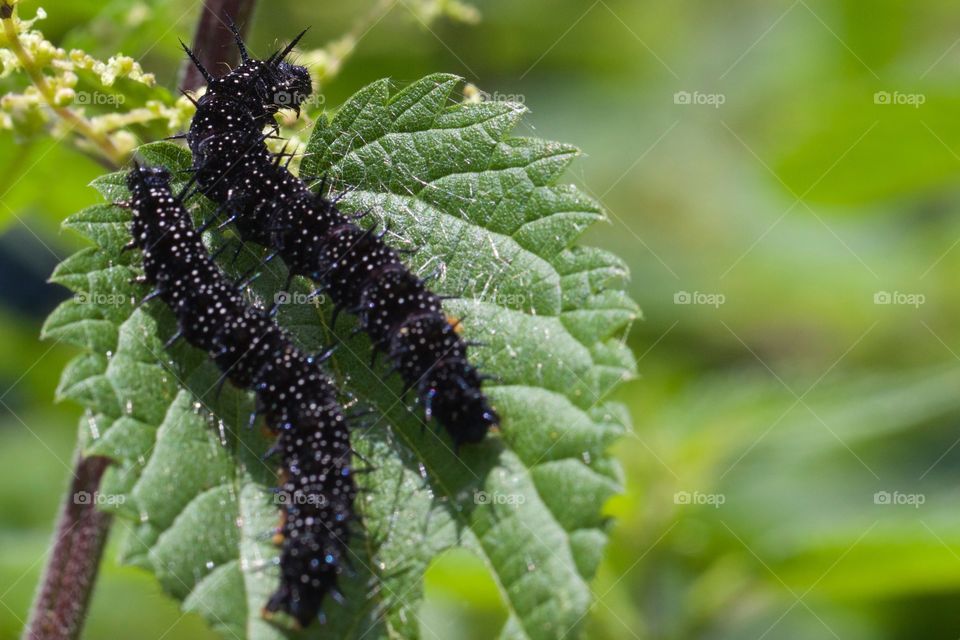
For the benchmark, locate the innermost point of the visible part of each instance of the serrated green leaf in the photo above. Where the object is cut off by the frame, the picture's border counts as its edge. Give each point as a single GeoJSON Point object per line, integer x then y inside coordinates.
{"type": "Point", "coordinates": [82, 325]}
{"type": "Point", "coordinates": [111, 186]}
{"type": "Point", "coordinates": [484, 209]}
{"type": "Point", "coordinates": [105, 224]}
{"type": "Point", "coordinates": [450, 181]}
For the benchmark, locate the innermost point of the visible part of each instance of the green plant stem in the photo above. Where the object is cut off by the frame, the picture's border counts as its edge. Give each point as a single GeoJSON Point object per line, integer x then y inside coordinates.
{"type": "Point", "coordinates": [79, 124]}
{"type": "Point", "coordinates": [60, 607]}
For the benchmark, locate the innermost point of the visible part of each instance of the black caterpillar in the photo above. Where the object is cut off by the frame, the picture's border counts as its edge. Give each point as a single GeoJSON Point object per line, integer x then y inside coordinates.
{"type": "Point", "coordinates": [298, 400]}
{"type": "Point", "coordinates": [269, 205]}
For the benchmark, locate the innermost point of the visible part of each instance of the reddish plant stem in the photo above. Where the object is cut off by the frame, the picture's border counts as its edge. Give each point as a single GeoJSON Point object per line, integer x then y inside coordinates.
{"type": "Point", "coordinates": [213, 41]}
{"type": "Point", "coordinates": [60, 608]}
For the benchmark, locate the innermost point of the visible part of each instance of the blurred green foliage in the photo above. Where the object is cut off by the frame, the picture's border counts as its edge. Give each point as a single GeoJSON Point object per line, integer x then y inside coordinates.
{"type": "Point", "coordinates": [794, 402]}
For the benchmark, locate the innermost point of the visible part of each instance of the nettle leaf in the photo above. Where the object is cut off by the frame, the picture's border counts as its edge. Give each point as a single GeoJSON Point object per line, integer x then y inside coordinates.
{"type": "Point", "coordinates": [486, 214]}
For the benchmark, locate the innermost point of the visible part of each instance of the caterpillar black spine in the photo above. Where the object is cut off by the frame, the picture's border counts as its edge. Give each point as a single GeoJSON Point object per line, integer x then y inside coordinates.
{"type": "Point", "coordinates": [298, 400]}
{"type": "Point", "coordinates": [359, 271]}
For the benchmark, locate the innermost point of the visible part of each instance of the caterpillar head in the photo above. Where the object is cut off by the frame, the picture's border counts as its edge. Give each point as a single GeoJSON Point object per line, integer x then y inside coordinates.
{"type": "Point", "coordinates": [452, 395]}
{"type": "Point", "coordinates": [264, 87]}
{"type": "Point", "coordinates": [291, 86]}
{"type": "Point", "coordinates": [261, 87]}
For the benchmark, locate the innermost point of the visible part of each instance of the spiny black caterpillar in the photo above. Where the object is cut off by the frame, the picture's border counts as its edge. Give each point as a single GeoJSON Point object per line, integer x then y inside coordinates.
{"type": "Point", "coordinates": [270, 206]}
{"type": "Point", "coordinates": [298, 400]}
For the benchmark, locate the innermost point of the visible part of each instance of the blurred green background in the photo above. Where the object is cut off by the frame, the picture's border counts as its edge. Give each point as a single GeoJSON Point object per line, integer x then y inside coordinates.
{"type": "Point", "coordinates": [788, 423]}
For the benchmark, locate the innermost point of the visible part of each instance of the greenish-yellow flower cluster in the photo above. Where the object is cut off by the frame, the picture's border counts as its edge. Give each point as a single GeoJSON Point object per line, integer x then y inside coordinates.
{"type": "Point", "coordinates": [72, 95]}
{"type": "Point", "coordinates": [95, 117]}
